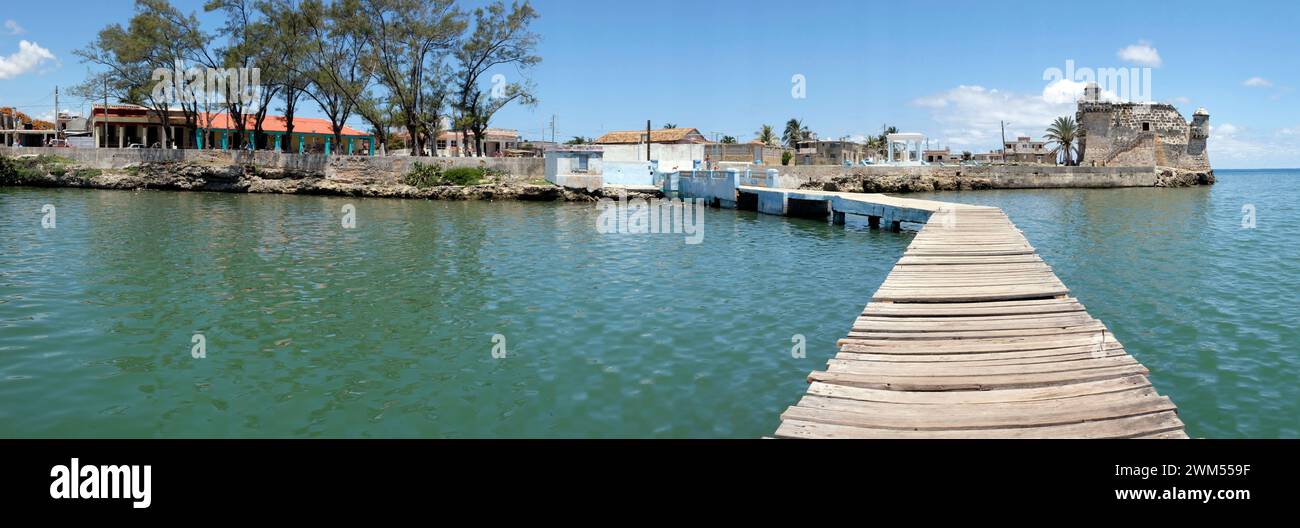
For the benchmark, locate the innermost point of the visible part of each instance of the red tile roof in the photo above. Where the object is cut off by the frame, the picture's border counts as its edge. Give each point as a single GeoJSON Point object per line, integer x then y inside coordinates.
{"type": "Point", "coordinates": [273, 123]}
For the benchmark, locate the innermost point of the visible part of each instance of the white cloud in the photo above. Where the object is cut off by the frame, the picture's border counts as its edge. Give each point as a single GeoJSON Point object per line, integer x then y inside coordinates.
{"type": "Point", "coordinates": [12, 28]}
{"type": "Point", "coordinates": [1224, 130]}
{"type": "Point", "coordinates": [1181, 100]}
{"type": "Point", "coordinates": [1257, 82]}
{"type": "Point", "coordinates": [28, 57]}
{"type": "Point", "coordinates": [970, 117]}
{"type": "Point", "coordinates": [1142, 54]}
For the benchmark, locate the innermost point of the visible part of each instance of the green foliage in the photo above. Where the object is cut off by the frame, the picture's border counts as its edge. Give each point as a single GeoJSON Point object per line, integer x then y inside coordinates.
{"type": "Point", "coordinates": [728, 140]}
{"type": "Point", "coordinates": [27, 170]}
{"type": "Point", "coordinates": [786, 156]}
{"type": "Point", "coordinates": [86, 173]}
{"type": "Point", "coordinates": [433, 175]}
{"type": "Point", "coordinates": [1064, 133]}
{"type": "Point", "coordinates": [795, 131]}
{"type": "Point", "coordinates": [422, 175]}
{"type": "Point", "coordinates": [463, 175]}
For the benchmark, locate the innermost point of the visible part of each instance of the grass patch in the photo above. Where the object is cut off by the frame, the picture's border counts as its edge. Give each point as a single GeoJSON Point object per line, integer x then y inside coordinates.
{"type": "Point", "coordinates": [463, 175]}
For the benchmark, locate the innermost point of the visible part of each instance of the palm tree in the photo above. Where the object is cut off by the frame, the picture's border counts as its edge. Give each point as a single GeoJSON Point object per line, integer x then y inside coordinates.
{"type": "Point", "coordinates": [795, 132]}
{"type": "Point", "coordinates": [880, 144]}
{"type": "Point", "coordinates": [728, 140]}
{"type": "Point", "coordinates": [1063, 133]}
{"type": "Point", "coordinates": [766, 135]}
{"type": "Point", "coordinates": [668, 126]}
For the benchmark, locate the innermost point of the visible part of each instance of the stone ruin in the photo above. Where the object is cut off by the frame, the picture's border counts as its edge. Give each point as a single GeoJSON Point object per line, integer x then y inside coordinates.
{"type": "Point", "coordinates": [1140, 134]}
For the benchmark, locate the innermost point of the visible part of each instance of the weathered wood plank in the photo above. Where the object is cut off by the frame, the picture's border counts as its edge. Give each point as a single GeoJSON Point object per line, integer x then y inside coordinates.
{"type": "Point", "coordinates": [972, 335]}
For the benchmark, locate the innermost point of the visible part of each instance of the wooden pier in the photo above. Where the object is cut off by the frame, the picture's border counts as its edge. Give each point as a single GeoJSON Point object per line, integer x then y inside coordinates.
{"type": "Point", "coordinates": [970, 336]}
{"type": "Point", "coordinates": [973, 336]}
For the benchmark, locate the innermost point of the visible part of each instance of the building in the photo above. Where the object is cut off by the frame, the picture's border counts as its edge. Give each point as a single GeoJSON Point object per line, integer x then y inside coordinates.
{"type": "Point", "coordinates": [132, 126]}
{"type": "Point", "coordinates": [672, 136]}
{"type": "Point", "coordinates": [942, 156]}
{"type": "Point", "coordinates": [988, 158]}
{"type": "Point", "coordinates": [496, 142]}
{"type": "Point", "coordinates": [19, 129]}
{"type": "Point", "coordinates": [575, 166]}
{"type": "Point", "coordinates": [754, 152]}
{"type": "Point", "coordinates": [830, 152]}
{"type": "Point", "coordinates": [1140, 135]}
{"type": "Point", "coordinates": [1026, 150]}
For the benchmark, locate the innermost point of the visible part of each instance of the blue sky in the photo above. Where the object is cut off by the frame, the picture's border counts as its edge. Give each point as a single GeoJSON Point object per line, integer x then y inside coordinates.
{"type": "Point", "coordinates": [949, 70]}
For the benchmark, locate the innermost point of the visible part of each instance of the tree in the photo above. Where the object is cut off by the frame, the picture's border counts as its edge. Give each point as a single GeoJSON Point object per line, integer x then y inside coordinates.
{"type": "Point", "coordinates": [794, 132]}
{"type": "Point", "coordinates": [578, 140]}
{"type": "Point", "coordinates": [966, 155]}
{"type": "Point", "coordinates": [728, 140]}
{"type": "Point", "coordinates": [669, 126]}
{"type": "Point", "coordinates": [500, 38]}
{"type": "Point", "coordinates": [766, 135]}
{"type": "Point", "coordinates": [880, 145]}
{"type": "Point", "coordinates": [405, 39]}
{"type": "Point", "coordinates": [1063, 133]}
{"type": "Point", "coordinates": [245, 33]}
{"type": "Point", "coordinates": [155, 38]}
{"type": "Point", "coordinates": [334, 60]}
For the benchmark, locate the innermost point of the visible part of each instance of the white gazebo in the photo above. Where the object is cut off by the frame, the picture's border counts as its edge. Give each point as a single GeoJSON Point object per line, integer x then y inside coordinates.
{"type": "Point", "coordinates": [912, 144]}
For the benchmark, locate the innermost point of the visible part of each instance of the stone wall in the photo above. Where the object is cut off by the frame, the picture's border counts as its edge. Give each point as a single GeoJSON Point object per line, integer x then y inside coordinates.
{"type": "Point", "coordinates": [383, 170]}
{"type": "Point", "coordinates": [1127, 134]}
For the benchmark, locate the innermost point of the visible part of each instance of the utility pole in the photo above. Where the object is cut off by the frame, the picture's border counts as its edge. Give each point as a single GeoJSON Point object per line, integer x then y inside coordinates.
{"type": "Point", "coordinates": [647, 140]}
{"type": "Point", "coordinates": [552, 128]}
{"type": "Point", "coordinates": [1004, 142]}
{"type": "Point", "coordinates": [56, 111]}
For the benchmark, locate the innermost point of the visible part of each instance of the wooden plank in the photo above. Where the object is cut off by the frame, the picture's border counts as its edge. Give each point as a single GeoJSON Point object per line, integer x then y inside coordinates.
{"type": "Point", "coordinates": [1128, 427]}
{"type": "Point", "coordinates": [1064, 391]}
{"type": "Point", "coordinates": [948, 383]}
{"type": "Point", "coordinates": [814, 408]}
{"type": "Point", "coordinates": [972, 335]}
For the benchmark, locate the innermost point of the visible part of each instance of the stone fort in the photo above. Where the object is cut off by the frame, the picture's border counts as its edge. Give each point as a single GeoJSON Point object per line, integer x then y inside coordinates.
{"type": "Point", "coordinates": [1140, 134]}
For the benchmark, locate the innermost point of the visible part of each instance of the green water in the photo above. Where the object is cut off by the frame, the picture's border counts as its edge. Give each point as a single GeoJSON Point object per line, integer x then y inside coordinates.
{"type": "Point", "coordinates": [386, 330]}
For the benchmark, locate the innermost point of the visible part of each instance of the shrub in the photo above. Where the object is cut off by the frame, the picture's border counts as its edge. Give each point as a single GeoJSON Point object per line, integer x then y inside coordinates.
{"type": "Point", "coordinates": [18, 171]}
{"type": "Point", "coordinates": [85, 174]}
{"type": "Point", "coordinates": [422, 175]}
{"type": "Point", "coordinates": [463, 175]}
{"type": "Point", "coordinates": [786, 156]}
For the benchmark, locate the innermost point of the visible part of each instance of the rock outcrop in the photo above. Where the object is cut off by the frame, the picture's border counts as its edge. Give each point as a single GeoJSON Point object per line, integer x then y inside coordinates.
{"type": "Point", "coordinates": [252, 179]}
{"type": "Point", "coordinates": [1175, 177]}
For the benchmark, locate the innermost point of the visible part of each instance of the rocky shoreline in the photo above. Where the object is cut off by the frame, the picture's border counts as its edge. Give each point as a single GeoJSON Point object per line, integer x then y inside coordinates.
{"type": "Point", "coordinates": [175, 176]}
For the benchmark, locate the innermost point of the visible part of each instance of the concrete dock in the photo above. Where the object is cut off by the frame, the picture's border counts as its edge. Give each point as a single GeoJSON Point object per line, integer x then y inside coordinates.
{"type": "Point", "coordinates": [970, 336]}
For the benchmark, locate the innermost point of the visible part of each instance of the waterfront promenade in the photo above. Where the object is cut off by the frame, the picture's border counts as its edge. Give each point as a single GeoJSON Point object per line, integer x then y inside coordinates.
{"type": "Point", "coordinates": [971, 335]}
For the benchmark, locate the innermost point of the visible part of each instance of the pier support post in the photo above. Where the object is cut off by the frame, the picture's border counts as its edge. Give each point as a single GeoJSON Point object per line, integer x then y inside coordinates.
{"type": "Point", "coordinates": [837, 217]}
{"type": "Point", "coordinates": [873, 221]}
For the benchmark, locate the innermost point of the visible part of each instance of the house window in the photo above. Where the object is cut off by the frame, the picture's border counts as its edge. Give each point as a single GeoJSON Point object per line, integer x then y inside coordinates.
{"type": "Point", "coordinates": [1146, 127]}
{"type": "Point", "coordinates": [582, 163]}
